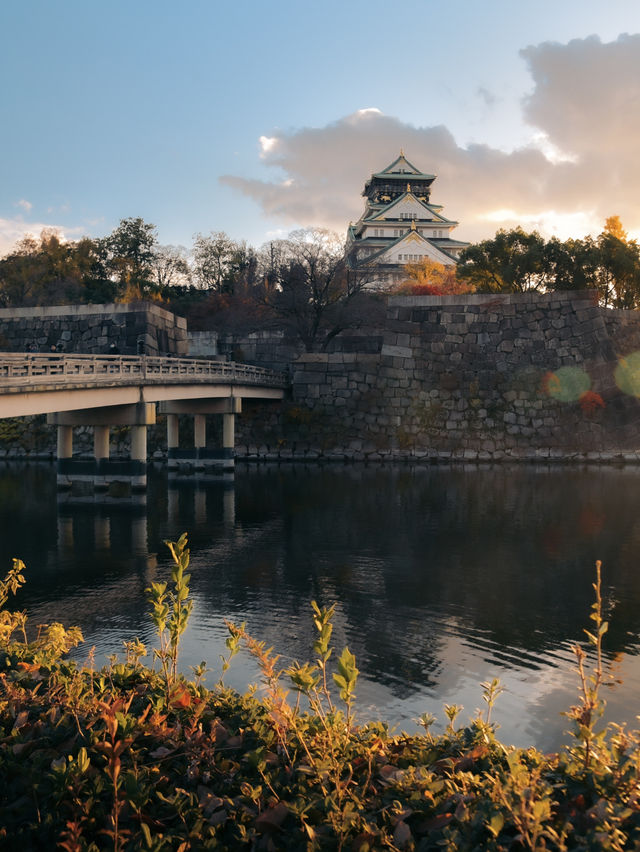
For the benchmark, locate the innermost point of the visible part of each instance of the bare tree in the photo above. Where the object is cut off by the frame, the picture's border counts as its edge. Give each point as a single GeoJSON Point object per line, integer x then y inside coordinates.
{"type": "Point", "coordinates": [309, 286]}
{"type": "Point", "coordinates": [212, 255]}
{"type": "Point", "coordinates": [171, 267]}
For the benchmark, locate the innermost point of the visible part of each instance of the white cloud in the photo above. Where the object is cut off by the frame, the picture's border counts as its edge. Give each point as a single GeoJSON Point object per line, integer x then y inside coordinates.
{"type": "Point", "coordinates": [13, 230]}
{"type": "Point", "coordinates": [26, 205]}
{"type": "Point", "coordinates": [267, 144]}
{"type": "Point", "coordinates": [581, 166]}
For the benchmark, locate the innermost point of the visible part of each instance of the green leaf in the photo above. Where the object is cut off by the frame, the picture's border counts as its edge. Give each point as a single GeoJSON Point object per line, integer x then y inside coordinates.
{"type": "Point", "coordinates": [495, 824]}
{"type": "Point", "coordinates": [147, 834]}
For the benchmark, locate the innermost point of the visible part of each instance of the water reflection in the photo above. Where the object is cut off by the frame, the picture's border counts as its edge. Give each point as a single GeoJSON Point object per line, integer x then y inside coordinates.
{"type": "Point", "coordinates": [443, 577]}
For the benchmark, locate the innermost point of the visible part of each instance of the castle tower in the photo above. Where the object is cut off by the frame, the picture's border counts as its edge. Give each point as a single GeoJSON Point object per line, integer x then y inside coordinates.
{"type": "Point", "coordinates": [400, 225]}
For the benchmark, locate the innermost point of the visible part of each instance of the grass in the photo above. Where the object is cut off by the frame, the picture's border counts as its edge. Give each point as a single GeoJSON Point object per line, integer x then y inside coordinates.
{"type": "Point", "coordinates": [130, 757]}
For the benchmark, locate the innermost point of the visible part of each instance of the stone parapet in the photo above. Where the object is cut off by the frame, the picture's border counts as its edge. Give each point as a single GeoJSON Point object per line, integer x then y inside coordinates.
{"type": "Point", "coordinates": [135, 328]}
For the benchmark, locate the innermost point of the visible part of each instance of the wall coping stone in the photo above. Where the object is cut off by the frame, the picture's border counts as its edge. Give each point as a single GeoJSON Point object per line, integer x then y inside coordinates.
{"type": "Point", "coordinates": [92, 310]}
{"type": "Point", "coordinates": [531, 297]}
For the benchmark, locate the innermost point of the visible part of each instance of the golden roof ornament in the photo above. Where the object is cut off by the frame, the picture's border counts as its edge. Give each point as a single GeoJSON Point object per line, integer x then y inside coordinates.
{"type": "Point", "coordinates": [413, 224]}
{"type": "Point", "coordinates": [408, 187]}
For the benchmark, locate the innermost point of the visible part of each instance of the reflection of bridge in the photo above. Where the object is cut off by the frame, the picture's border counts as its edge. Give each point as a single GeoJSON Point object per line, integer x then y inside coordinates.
{"type": "Point", "coordinates": [123, 390]}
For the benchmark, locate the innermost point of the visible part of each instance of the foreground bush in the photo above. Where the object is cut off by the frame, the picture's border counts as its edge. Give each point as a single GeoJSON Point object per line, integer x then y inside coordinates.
{"type": "Point", "coordinates": [132, 758]}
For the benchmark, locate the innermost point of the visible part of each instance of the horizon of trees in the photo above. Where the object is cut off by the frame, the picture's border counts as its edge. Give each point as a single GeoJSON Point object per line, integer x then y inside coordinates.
{"type": "Point", "coordinates": [302, 283]}
{"type": "Point", "coordinates": [516, 261]}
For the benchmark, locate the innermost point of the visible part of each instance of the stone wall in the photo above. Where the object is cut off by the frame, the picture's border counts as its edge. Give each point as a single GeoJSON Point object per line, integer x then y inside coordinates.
{"type": "Point", "coordinates": [92, 329]}
{"type": "Point", "coordinates": [523, 376]}
{"type": "Point", "coordinates": [479, 376]}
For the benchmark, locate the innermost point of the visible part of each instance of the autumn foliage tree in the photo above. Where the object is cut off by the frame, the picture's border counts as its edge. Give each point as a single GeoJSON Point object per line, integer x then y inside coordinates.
{"type": "Point", "coordinates": [46, 271]}
{"type": "Point", "coordinates": [430, 278]}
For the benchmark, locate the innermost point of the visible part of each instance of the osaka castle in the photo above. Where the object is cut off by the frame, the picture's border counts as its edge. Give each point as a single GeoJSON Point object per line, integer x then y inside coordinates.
{"type": "Point", "coordinates": [400, 225]}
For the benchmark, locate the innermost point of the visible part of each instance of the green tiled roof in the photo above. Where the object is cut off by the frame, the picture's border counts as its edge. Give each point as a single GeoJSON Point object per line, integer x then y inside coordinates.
{"type": "Point", "coordinates": [394, 242]}
{"type": "Point", "coordinates": [432, 208]}
{"type": "Point", "coordinates": [391, 170]}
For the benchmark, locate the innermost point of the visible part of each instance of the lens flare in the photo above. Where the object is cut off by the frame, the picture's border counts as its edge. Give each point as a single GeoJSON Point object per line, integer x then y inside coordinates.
{"type": "Point", "coordinates": [627, 374]}
{"type": "Point", "coordinates": [590, 402]}
{"type": "Point", "coordinates": [567, 384]}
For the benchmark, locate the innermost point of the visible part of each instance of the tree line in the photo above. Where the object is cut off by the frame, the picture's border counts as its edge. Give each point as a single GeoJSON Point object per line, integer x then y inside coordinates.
{"type": "Point", "coordinates": [516, 261]}
{"type": "Point", "coordinates": [303, 283]}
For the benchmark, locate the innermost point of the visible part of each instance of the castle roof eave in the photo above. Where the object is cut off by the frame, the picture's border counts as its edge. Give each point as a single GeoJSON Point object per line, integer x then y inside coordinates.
{"type": "Point", "coordinates": [371, 258]}
{"type": "Point", "coordinates": [388, 171]}
{"type": "Point", "coordinates": [432, 208]}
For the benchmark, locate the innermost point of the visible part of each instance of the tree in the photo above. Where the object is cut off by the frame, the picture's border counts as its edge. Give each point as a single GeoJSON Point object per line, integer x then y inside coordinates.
{"type": "Point", "coordinates": [242, 270]}
{"type": "Point", "coordinates": [613, 226]}
{"type": "Point", "coordinates": [512, 262]}
{"type": "Point", "coordinates": [128, 255]}
{"type": "Point", "coordinates": [47, 271]}
{"type": "Point", "coordinates": [618, 269]}
{"type": "Point", "coordinates": [170, 267]}
{"type": "Point", "coordinates": [570, 265]}
{"type": "Point", "coordinates": [307, 284]}
{"type": "Point", "coordinates": [430, 278]}
{"type": "Point", "coordinates": [212, 255]}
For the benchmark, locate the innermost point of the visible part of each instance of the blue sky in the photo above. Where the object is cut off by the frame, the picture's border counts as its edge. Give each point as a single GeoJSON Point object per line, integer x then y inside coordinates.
{"type": "Point", "coordinates": [156, 109]}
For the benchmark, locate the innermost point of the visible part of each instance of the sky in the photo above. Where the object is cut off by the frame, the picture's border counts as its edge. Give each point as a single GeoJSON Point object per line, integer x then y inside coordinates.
{"type": "Point", "coordinates": [255, 117]}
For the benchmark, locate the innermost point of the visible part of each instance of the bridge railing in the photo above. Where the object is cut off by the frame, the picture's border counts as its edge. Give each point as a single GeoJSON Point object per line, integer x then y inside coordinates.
{"type": "Point", "coordinates": [18, 369]}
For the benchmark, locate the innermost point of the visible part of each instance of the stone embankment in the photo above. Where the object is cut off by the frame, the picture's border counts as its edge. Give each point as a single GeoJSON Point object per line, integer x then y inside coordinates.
{"type": "Point", "coordinates": [532, 376]}
{"type": "Point", "coordinates": [136, 328]}
{"type": "Point", "coordinates": [478, 377]}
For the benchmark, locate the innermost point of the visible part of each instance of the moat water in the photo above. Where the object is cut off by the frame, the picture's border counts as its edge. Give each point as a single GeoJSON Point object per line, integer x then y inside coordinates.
{"type": "Point", "coordinates": [444, 577]}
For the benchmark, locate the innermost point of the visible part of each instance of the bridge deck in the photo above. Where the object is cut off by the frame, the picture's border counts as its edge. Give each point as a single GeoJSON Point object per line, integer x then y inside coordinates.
{"type": "Point", "coordinates": [42, 383]}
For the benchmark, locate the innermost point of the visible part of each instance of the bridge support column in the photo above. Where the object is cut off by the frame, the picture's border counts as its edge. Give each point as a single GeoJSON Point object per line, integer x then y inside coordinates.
{"type": "Point", "coordinates": [228, 440]}
{"type": "Point", "coordinates": [101, 454]}
{"type": "Point", "coordinates": [203, 458]}
{"type": "Point", "coordinates": [199, 439]}
{"type": "Point", "coordinates": [138, 458]}
{"type": "Point", "coordinates": [173, 441]}
{"type": "Point", "coordinates": [120, 477]}
{"type": "Point", "coordinates": [65, 451]}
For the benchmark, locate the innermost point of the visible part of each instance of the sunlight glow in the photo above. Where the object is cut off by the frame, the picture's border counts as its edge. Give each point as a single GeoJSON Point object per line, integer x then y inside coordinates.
{"type": "Point", "coordinates": [551, 151]}
{"type": "Point", "coordinates": [268, 143]}
{"type": "Point", "coordinates": [548, 222]}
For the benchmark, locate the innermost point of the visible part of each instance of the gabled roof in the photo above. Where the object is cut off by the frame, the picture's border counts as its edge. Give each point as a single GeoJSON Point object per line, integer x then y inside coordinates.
{"type": "Point", "coordinates": [401, 167]}
{"type": "Point", "coordinates": [411, 236]}
{"type": "Point", "coordinates": [447, 242]}
{"type": "Point", "coordinates": [380, 214]}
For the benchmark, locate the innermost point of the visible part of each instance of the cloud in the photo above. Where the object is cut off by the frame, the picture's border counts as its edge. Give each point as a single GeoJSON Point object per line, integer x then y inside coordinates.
{"type": "Point", "coordinates": [581, 166]}
{"type": "Point", "coordinates": [485, 95]}
{"type": "Point", "coordinates": [13, 230]}
{"type": "Point", "coordinates": [26, 205]}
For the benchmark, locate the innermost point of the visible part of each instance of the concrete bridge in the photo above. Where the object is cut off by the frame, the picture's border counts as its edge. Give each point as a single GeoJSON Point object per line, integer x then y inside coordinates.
{"type": "Point", "coordinates": [127, 390]}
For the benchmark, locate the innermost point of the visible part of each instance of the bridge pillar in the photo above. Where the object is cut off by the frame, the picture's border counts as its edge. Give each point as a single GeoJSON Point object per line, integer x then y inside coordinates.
{"type": "Point", "coordinates": [100, 453]}
{"type": "Point", "coordinates": [199, 439]}
{"type": "Point", "coordinates": [229, 431]}
{"type": "Point", "coordinates": [173, 440]}
{"type": "Point", "coordinates": [138, 458]}
{"type": "Point", "coordinates": [101, 472]}
{"type": "Point", "coordinates": [218, 460]}
{"type": "Point", "coordinates": [65, 451]}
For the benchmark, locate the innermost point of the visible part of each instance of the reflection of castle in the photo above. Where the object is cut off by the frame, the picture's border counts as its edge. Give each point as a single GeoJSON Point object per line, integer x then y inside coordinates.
{"type": "Point", "coordinates": [399, 224]}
